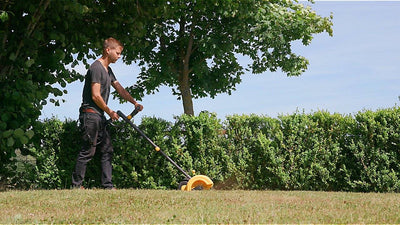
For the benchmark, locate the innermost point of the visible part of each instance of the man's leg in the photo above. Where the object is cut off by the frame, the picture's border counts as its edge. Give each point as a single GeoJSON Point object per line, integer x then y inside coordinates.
{"type": "Point", "coordinates": [106, 160]}
{"type": "Point", "coordinates": [90, 122]}
{"type": "Point", "coordinates": [85, 155]}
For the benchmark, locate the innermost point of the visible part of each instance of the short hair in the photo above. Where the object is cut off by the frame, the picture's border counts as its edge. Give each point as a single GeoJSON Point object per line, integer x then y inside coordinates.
{"type": "Point", "coordinates": [111, 43]}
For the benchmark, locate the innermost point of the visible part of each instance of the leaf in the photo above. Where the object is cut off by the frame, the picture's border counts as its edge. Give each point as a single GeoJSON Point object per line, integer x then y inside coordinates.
{"type": "Point", "coordinates": [13, 56]}
{"type": "Point", "coordinates": [24, 140]}
{"type": "Point", "coordinates": [10, 142]}
{"type": "Point", "coordinates": [29, 134]}
{"type": "Point", "coordinates": [3, 125]}
{"type": "Point", "coordinates": [7, 133]}
{"type": "Point", "coordinates": [59, 54]}
{"type": "Point", "coordinates": [4, 16]}
{"type": "Point", "coordinates": [18, 133]}
{"type": "Point", "coordinates": [29, 62]}
{"type": "Point", "coordinates": [5, 117]}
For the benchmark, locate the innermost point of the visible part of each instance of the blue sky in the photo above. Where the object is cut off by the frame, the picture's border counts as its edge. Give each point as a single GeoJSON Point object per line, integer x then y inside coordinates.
{"type": "Point", "coordinates": [356, 69]}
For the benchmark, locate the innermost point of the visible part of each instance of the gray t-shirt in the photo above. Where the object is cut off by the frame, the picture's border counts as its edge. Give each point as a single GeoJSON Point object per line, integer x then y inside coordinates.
{"type": "Point", "coordinates": [97, 74]}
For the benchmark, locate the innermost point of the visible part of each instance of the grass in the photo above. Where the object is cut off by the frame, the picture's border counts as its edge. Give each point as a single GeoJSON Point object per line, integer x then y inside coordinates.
{"type": "Point", "coordinates": [160, 206]}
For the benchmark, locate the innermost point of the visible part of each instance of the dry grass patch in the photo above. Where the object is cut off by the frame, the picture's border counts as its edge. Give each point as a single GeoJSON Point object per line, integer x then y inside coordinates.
{"type": "Point", "coordinates": [160, 206]}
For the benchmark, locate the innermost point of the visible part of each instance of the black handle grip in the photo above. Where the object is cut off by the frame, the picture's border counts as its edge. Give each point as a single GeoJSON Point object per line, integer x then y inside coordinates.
{"type": "Point", "coordinates": [134, 112]}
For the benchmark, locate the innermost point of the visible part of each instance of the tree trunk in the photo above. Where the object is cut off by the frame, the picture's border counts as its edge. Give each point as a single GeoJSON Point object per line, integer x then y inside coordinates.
{"type": "Point", "coordinates": [184, 81]}
{"type": "Point", "coordinates": [184, 87]}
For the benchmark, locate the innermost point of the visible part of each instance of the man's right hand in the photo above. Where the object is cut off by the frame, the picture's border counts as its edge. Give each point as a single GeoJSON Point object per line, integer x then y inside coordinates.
{"type": "Point", "coordinates": [113, 115]}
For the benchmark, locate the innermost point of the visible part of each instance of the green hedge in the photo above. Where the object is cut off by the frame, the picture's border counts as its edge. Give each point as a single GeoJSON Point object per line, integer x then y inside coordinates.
{"type": "Point", "coordinates": [316, 151]}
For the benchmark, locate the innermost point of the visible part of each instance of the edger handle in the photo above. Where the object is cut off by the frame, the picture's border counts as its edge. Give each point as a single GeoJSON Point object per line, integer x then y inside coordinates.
{"type": "Point", "coordinates": [126, 119]}
{"type": "Point", "coordinates": [134, 112]}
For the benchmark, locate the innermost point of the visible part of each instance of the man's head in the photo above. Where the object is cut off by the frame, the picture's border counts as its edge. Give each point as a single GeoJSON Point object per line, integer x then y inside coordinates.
{"type": "Point", "coordinates": [112, 48]}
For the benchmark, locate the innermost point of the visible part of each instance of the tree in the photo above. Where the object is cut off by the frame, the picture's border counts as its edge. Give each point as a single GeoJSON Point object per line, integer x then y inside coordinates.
{"type": "Point", "coordinates": [36, 45]}
{"type": "Point", "coordinates": [192, 46]}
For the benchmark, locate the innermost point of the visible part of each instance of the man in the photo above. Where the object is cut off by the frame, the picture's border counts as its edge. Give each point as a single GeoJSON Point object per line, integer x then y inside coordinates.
{"type": "Point", "coordinates": [96, 92]}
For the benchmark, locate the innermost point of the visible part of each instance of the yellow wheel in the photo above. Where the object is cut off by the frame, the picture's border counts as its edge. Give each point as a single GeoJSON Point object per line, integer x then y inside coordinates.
{"type": "Point", "coordinates": [199, 182]}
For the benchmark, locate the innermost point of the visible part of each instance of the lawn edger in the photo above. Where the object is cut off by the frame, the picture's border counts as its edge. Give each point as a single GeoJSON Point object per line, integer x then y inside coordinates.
{"type": "Point", "coordinates": [197, 182]}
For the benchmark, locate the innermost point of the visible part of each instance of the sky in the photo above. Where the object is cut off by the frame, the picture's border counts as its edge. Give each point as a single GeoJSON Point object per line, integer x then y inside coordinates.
{"type": "Point", "coordinates": [355, 70]}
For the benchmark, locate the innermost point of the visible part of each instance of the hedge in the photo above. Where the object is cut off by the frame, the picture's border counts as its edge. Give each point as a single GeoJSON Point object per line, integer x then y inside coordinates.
{"type": "Point", "coordinates": [316, 151]}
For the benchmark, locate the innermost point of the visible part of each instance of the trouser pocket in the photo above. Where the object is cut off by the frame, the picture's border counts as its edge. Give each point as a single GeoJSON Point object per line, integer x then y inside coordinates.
{"type": "Point", "coordinates": [90, 126]}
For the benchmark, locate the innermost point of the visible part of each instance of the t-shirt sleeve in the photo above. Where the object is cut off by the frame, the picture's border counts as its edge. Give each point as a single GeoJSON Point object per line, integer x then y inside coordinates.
{"type": "Point", "coordinates": [96, 74]}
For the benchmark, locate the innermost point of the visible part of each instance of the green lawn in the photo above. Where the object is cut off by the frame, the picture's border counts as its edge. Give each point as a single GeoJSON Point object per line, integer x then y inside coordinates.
{"type": "Point", "coordinates": [160, 206]}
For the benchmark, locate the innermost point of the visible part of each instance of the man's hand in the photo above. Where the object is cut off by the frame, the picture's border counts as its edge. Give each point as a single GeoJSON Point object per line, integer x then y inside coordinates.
{"type": "Point", "coordinates": [137, 105]}
{"type": "Point", "coordinates": [113, 115]}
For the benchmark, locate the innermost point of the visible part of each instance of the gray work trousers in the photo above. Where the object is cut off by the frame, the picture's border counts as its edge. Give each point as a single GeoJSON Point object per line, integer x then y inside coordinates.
{"type": "Point", "coordinates": [95, 137]}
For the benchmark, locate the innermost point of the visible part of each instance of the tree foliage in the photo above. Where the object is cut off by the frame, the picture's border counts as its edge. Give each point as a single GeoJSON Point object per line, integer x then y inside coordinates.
{"type": "Point", "coordinates": [38, 40]}
{"type": "Point", "coordinates": [41, 42]}
{"type": "Point", "coordinates": [193, 46]}
{"type": "Point", "coordinates": [190, 46]}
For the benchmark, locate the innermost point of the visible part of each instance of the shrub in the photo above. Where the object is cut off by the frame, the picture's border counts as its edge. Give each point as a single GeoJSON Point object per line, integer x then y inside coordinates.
{"type": "Point", "coordinates": [317, 151]}
{"type": "Point", "coordinates": [203, 138]}
{"type": "Point", "coordinates": [372, 151]}
{"type": "Point", "coordinates": [253, 145]}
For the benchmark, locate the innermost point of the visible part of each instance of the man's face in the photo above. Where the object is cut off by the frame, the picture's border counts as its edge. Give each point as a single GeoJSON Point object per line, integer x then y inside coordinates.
{"type": "Point", "coordinates": [114, 53]}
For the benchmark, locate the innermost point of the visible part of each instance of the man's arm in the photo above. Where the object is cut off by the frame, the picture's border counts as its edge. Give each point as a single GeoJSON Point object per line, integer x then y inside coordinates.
{"type": "Point", "coordinates": [125, 94]}
{"type": "Point", "coordinates": [96, 96]}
